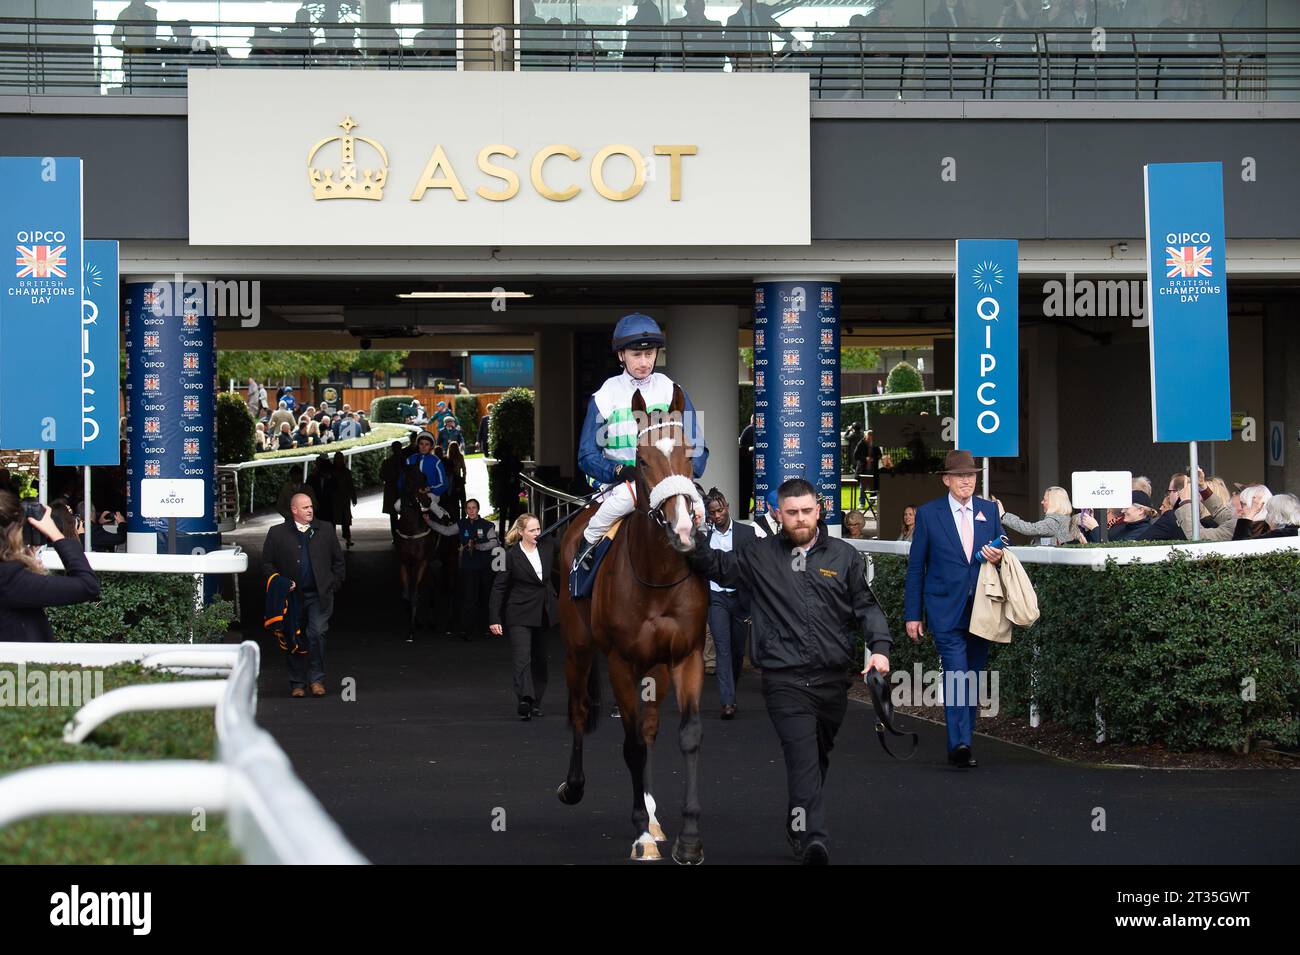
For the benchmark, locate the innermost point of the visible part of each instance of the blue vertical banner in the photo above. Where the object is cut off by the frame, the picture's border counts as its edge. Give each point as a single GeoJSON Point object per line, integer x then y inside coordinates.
{"type": "Point", "coordinates": [797, 388]}
{"type": "Point", "coordinates": [40, 305]}
{"type": "Point", "coordinates": [1188, 302]}
{"type": "Point", "coordinates": [986, 376]}
{"type": "Point", "coordinates": [170, 406]}
{"type": "Point", "coordinates": [101, 314]}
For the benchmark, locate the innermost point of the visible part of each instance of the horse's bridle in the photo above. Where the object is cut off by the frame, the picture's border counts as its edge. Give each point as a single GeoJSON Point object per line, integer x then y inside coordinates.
{"type": "Point", "coordinates": [673, 485]}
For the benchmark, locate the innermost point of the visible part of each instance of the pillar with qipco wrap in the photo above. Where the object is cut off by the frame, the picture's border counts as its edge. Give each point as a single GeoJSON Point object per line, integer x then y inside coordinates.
{"type": "Point", "coordinates": [797, 388]}
{"type": "Point", "coordinates": [171, 363]}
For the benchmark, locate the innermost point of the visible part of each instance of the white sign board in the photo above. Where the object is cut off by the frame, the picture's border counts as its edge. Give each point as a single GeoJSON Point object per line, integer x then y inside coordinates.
{"type": "Point", "coordinates": [172, 497]}
{"type": "Point", "coordinates": [424, 158]}
{"type": "Point", "coordinates": [1101, 488]}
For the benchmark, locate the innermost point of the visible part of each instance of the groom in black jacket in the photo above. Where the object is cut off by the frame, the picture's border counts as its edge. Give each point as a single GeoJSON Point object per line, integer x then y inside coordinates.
{"type": "Point", "coordinates": [306, 551]}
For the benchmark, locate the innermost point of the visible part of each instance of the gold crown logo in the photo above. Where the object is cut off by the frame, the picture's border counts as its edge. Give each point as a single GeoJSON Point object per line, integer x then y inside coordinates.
{"type": "Point", "coordinates": [324, 185]}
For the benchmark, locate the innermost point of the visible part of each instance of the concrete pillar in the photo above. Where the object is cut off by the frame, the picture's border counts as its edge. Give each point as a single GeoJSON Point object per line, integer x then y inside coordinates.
{"type": "Point", "coordinates": [480, 52]}
{"type": "Point", "coordinates": [1044, 419]}
{"type": "Point", "coordinates": [555, 439]}
{"type": "Point", "coordinates": [702, 359]}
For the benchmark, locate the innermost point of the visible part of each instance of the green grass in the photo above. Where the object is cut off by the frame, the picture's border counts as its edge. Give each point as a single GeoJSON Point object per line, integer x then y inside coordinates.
{"type": "Point", "coordinates": [380, 434]}
{"type": "Point", "coordinates": [33, 736]}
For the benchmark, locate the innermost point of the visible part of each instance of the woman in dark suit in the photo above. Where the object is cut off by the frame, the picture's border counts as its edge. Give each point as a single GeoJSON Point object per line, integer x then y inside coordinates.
{"type": "Point", "coordinates": [25, 588]}
{"type": "Point", "coordinates": [522, 606]}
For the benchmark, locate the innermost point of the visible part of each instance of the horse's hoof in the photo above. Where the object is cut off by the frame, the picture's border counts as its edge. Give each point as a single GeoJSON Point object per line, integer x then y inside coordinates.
{"type": "Point", "coordinates": [569, 795]}
{"type": "Point", "coordinates": [657, 831]}
{"type": "Point", "coordinates": [688, 853]}
{"type": "Point", "coordinates": [645, 849]}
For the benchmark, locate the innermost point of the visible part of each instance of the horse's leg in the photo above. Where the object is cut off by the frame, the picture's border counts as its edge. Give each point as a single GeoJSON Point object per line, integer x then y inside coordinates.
{"type": "Point", "coordinates": [406, 594]}
{"type": "Point", "coordinates": [577, 667]}
{"type": "Point", "coordinates": [649, 730]}
{"type": "Point", "coordinates": [623, 680]}
{"type": "Point", "coordinates": [689, 677]}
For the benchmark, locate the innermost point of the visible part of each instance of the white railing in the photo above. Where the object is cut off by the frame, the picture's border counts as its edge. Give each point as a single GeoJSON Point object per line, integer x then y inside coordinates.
{"type": "Point", "coordinates": [1097, 557]}
{"type": "Point", "coordinates": [273, 818]}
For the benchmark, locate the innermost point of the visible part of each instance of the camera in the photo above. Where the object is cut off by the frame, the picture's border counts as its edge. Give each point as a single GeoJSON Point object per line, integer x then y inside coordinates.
{"type": "Point", "coordinates": [31, 536]}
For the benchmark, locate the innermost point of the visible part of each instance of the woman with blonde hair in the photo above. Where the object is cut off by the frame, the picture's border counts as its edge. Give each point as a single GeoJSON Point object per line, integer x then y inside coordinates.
{"type": "Point", "coordinates": [1058, 526]}
{"type": "Point", "coordinates": [854, 524]}
{"type": "Point", "coordinates": [909, 523]}
{"type": "Point", "coordinates": [522, 607]}
{"type": "Point", "coordinates": [25, 588]}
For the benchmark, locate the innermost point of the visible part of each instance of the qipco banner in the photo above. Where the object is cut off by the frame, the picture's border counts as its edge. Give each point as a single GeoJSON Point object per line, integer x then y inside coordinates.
{"type": "Point", "coordinates": [986, 377]}
{"type": "Point", "coordinates": [1188, 302]}
{"type": "Point", "coordinates": [40, 304]}
{"type": "Point", "coordinates": [797, 388]}
{"type": "Point", "coordinates": [170, 406]}
{"type": "Point", "coordinates": [100, 315]}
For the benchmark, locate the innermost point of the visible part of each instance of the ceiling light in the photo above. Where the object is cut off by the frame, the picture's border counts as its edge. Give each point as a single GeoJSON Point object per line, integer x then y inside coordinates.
{"type": "Point", "coordinates": [500, 294]}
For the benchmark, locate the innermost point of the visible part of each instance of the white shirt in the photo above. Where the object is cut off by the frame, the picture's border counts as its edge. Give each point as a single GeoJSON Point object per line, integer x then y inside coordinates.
{"type": "Point", "coordinates": [534, 558]}
{"type": "Point", "coordinates": [722, 540]}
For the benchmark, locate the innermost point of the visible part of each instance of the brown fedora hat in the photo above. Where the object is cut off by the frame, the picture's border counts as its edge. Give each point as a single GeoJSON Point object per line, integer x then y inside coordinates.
{"type": "Point", "coordinates": [959, 462]}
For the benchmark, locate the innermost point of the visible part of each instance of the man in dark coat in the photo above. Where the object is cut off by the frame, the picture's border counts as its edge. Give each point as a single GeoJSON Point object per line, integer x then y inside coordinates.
{"type": "Point", "coordinates": [306, 551]}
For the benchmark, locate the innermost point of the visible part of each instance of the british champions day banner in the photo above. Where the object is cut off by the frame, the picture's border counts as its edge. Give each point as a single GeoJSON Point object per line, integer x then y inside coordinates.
{"type": "Point", "coordinates": [986, 392]}
{"type": "Point", "coordinates": [40, 305]}
{"type": "Point", "coordinates": [1188, 302]}
{"type": "Point", "coordinates": [101, 313]}
{"type": "Point", "coordinates": [797, 388]}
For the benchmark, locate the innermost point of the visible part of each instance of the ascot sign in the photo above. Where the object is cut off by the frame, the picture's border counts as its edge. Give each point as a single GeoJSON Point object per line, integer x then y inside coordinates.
{"type": "Point", "coordinates": [496, 159]}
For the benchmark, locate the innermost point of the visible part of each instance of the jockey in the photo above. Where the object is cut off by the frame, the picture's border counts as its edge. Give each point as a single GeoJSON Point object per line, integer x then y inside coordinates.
{"type": "Point", "coordinates": [637, 340]}
{"type": "Point", "coordinates": [431, 465]}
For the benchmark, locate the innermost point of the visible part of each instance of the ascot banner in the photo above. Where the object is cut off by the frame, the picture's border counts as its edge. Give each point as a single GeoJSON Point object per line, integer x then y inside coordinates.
{"type": "Point", "coordinates": [101, 313]}
{"type": "Point", "coordinates": [420, 158]}
{"type": "Point", "coordinates": [986, 392]}
{"type": "Point", "coordinates": [797, 388]}
{"type": "Point", "coordinates": [1188, 302]}
{"type": "Point", "coordinates": [40, 304]}
{"type": "Point", "coordinates": [170, 408]}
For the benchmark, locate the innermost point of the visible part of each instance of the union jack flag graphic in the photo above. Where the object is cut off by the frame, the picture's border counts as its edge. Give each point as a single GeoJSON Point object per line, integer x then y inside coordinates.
{"type": "Point", "coordinates": [191, 320]}
{"type": "Point", "coordinates": [790, 442]}
{"type": "Point", "coordinates": [152, 469]}
{"type": "Point", "coordinates": [191, 405]}
{"type": "Point", "coordinates": [758, 339]}
{"type": "Point", "coordinates": [758, 379]}
{"type": "Point", "coordinates": [152, 383]}
{"type": "Point", "coordinates": [828, 462]}
{"type": "Point", "coordinates": [828, 337]}
{"type": "Point", "coordinates": [758, 419]}
{"type": "Point", "coordinates": [191, 447]}
{"type": "Point", "coordinates": [828, 379]}
{"type": "Point", "coordinates": [828, 295]}
{"type": "Point", "coordinates": [153, 426]}
{"type": "Point", "coordinates": [828, 421]}
{"type": "Point", "coordinates": [758, 296]}
{"type": "Point", "coordinates": [1188, 262]}
{"type": "Point", "coordinates": [790, 399]}
{"type": "Point", "coordinates": [42, 261]}
{"type": "Point", "coordinates": [150, 297]}
{"type": "Point", "coordinates": [789, 318]}
{"type": "Point", "coordinates": [152, 340]}
{"type": "Point", "coordinates": [790, 359]}
{"type": "Point", "coordinates": [191, 361]}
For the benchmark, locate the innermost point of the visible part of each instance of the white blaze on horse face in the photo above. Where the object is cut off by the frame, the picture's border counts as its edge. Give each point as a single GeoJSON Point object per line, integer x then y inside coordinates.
{"type": "Point", "coordinates": [665, 446]}
{"type": "Point", "coordinates": [684, 527]}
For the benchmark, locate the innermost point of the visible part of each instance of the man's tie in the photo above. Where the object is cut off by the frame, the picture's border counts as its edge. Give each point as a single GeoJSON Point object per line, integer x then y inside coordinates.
{"type": "Point", "coordinates": [967, 533]}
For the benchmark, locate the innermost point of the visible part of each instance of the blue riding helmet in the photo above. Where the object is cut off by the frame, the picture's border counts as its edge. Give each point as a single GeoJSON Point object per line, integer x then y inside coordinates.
{"type": "Point", "coordinates": [773, 502]}
{"type": "Point", "coordinates": [637, 331]}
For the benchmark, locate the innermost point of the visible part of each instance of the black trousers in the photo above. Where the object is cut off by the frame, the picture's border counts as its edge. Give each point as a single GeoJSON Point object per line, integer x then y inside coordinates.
{"type": "Point", "coordinates": [528, 656]}
{"type": "Point", "coordinates": [475, 585]}
{"type": "Point", "coordinates": [807, 709]}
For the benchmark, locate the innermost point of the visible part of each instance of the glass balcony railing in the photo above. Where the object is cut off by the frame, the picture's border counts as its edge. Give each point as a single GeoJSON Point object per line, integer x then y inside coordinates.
{"type": "Point", "coordinates": [151, 58]}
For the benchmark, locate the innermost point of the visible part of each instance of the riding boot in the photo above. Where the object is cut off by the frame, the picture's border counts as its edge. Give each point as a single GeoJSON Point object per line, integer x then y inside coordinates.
{"type": "Point", "coordinates": [585, 558]}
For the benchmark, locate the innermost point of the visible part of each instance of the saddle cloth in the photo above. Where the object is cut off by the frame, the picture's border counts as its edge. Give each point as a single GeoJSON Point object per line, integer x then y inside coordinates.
{"type": "Point", "coordinates": [581, 581]}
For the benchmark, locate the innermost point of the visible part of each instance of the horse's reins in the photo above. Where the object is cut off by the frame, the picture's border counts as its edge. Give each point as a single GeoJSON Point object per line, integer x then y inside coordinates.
{"type": "Point", "coordinates": [655, 511]}
{"type": "Point", "coordinates": [884, 708]}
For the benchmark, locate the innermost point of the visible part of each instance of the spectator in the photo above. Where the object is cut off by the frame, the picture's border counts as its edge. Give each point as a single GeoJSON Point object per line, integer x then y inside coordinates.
{"type": "Point", "coordinates": [1058, 526]}
{"type": "Point", "coordinates": [25, 587]}
{"type": "Point", "coordinates": [478, 540]}
{"type": "Point", "coordinates": [256, 398]}
{"type": "Point", "coordinates": [348, 428]}
{"type": "Point", "coordinates": [866, 464]}
{"type": "Point", "coordinates": [855, 523]}
{"type": "Point", "coordinates": [363, 422]}
{"type": "Point", "coordinates": [302, 437]}
{"type": "Point", "coordinates": [1134, 522]}
{"type": "Point", "coordinates": [260, 438]}
{"type": "Point", "coordinates": [345, 495]}
{"type": "Point", "coordinates": [483, 425]}
{"type": "Point", "coordinates": [344, 414]}
{"type": "Point", "coordinates": [294, 485]}
{"type": "Point", "coordinates": [457, 472]}
{"type": "Point", "coordinates": [909, 523]}
{"type": "Point", "coordinates": [323, 432]}
{"type": "Point", "coordinates": [388, 472]}
{"type": "Point", "coordinates": [284, 441]}
{"type": "Point", "coordinates": [1166, 527]}
{"type": "Point", "coordinates": [288, 398]}
{"type": "Point", "coordinates": [728, 606]}
{"type": "Point", "coordinates": [522, 606]}
{"type": "Point", "coordinates": [1282, 512]}
{"type": "Point", "coordinates": [305, 550]}
{"type": "Point", "coordinates": [322, 483]}
{"type": "Point", "coordinates": [449, 432]}
{"type": "Point", "coordinates": [1249, 510]}
{"type": "Point", "coordinates": [770, 520]}
{"type": "Point", "coordinates": [282, 415]}
{"type": "Point", "coordinates": [505, 481]}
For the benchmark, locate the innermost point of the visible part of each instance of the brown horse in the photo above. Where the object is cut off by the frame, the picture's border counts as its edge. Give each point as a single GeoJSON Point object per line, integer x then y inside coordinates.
{"type": "Point", "coordinates": [420, 539]}
{"type": "Point", "coordinates": [646, 613]}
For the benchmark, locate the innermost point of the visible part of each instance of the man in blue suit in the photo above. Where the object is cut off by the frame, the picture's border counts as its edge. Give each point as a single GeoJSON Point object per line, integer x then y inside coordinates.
{"type": "Point", "coordinates": [942, 569]}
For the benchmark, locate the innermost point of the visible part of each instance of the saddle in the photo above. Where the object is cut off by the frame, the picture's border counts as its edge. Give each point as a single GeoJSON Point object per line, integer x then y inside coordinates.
{"type": "Point", "coordinates": [581, 581]}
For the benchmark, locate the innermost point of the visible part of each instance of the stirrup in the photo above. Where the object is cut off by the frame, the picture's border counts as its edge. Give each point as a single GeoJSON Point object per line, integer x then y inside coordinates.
{"type": "Point", "coordinates": [584, 559]}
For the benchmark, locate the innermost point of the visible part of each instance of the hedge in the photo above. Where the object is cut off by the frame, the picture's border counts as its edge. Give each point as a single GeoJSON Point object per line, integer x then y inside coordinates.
{"type": "Point", "coordinates": [384, 410]}
{"type": "Point", "coordinates": [267, 481]}
{"type": "Point", "coordinates": [142, 608]}
{"type": "Point", "coordinates": [1169, 649]}
{"type": "Point", "coordinates": [467, 418]}
{"type": "Point", "coordinates": [236, 429]}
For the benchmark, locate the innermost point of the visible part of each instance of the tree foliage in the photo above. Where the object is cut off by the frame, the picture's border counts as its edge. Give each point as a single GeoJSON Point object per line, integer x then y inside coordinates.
{"type": "Point", "coordinates": [313, 365]}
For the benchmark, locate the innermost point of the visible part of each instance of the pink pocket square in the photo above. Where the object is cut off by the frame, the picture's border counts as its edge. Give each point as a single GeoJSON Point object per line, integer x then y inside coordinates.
{"type": "Point", "coordinates": [980, 517]}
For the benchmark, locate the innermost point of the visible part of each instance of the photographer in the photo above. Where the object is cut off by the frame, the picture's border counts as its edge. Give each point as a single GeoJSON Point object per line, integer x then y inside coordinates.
{"type": "Point", "coordinates": [25, 587]}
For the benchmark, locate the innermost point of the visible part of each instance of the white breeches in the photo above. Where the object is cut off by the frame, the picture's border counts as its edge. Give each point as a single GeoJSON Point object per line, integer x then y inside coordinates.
{"type": "Point", "coordinates": [617, 502]}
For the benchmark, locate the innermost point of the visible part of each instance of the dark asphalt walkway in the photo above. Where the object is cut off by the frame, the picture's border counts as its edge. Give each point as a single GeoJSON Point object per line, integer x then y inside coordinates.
{"type": "Point", "coordinates": [417, 769]}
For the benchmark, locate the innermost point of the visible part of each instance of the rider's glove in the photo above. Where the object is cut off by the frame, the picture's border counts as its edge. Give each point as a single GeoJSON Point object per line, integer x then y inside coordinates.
{"type": "Point", "coordinates": [626, 472]}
